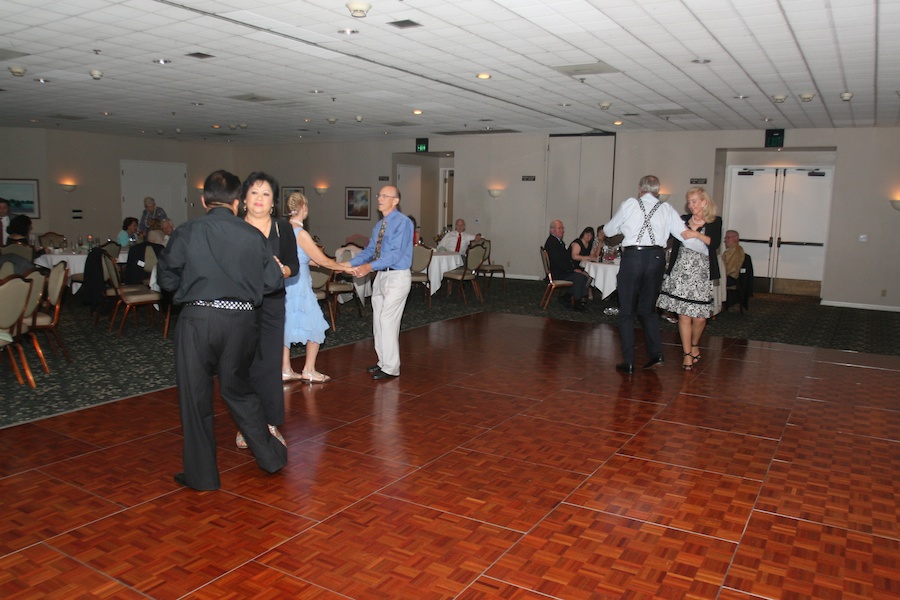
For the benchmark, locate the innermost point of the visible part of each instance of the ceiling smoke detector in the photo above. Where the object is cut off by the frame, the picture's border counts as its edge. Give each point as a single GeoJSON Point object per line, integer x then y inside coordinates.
{"type": "Point", "coordinates": [96, 74]}
{"type": "Point", "coordinates": [358, 9]}
{"type": "Point", "coordinates": [846, 96]}
{"type": "Point", "coordinates": [807, 97]}
{"type": "Point", "coordinates": [18, 71]}
{"type": "Point", "coordinates": [779, 98]}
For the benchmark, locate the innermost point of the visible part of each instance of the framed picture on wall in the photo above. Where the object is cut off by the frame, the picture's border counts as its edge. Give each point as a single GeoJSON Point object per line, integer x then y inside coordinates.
{"type": "Point", "coordinates": [286, 192]}
{"type": "Point", "coordinates": [22, 195]}
{"type": "Point", "coordinates": [358, 201]}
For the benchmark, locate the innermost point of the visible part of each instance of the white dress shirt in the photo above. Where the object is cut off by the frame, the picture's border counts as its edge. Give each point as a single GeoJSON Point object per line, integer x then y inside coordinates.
{"type": "Point", "coordinates": [629, 221]}
{"type": "Point", "coordinates": [4, 223]}
{"type": "Point", "coordinates": [449, 241]}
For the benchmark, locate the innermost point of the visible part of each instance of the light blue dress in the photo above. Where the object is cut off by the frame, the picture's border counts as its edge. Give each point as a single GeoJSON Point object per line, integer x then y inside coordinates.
{"type": "Point", "coordinates": [304, 321]}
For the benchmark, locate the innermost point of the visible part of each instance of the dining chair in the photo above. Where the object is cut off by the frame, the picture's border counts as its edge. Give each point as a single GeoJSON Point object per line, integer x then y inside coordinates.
{"type": "Point", "coordinates": [7, 269]}
{"type": "Point", "coordinates": [489, 267]}
{"type": "Point", "coordinates": [342, 283]}
{"type": "Point", "coordinates": [14, 293]}
{"type": "Point", "coordinates": [48, 321]}
{"type": "Point", "coordinates": [551, 284]}
{"type": "Point", "coordinates": [51, 239]}
{"type": "Point", "coordinates": [113, 249]}
{"type": "Point", "coordinates": [468, 272]}
{"type": "Point", "coordinates": [419, 270]}
{"type": "Point", "coordinates": [37, 279]}
{"type": "Point", "coordinates": [26, 252]}
{"type": "Point", "coordinates": [132, 297]}
{"type": "Point", "coordinates": [741, 290]}
{"type": "Point", "coordinates": [320, 277]}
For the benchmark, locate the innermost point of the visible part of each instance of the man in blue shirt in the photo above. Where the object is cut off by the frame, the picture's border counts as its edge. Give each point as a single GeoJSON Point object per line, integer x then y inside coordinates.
{"type": "Point", "coordinates": [389, 253]}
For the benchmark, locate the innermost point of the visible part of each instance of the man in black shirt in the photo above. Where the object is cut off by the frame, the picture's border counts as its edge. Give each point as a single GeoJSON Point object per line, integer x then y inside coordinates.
{"type": "Point", "coordinates": [219, 268]}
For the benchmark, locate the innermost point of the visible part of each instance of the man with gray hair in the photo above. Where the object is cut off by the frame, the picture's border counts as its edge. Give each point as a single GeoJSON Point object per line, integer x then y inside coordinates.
{"type": "Point", "coordinates": [646, 223]}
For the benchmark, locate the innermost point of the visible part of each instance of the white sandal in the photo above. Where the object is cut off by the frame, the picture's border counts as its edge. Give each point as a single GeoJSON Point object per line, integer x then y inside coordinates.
{"type": "Point", "coordinates": [314, 377]}
{"type": "Point", "coordinates": [239, 441]}
{"type": "Point", "coordinates": [290, 376]}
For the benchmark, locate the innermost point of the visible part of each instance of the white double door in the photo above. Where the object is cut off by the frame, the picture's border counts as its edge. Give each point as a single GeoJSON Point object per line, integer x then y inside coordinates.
{"type": "Point", "coordinates": [781, 214]}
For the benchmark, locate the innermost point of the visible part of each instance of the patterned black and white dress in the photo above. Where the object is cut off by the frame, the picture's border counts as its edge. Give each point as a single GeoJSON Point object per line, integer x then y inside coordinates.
{"type": "Point", "coordinates": [687, 289]}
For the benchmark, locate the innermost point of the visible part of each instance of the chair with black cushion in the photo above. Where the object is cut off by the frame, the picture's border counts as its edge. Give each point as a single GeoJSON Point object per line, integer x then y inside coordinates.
{"type": "Point", "coordinates": [14, 293]}
{"type": "Point", "coordinates": [51, 239]}
{"type": "Point", "coordinates": [48, 321]}
{"type": "Point", "coordinates": [468, 272]}
{"type": "Point", "coordinates": [141, 260]}
{"type": "Point", "coordinates": [551, 283]}
{"type": "Point", "coordinates": [37, 279]}
{"type": "Point", "coordinates": [489, 267]}
{"type": "Point", "coordinates": [419, 270]}
{"type": "Point", "coordinates": [740, 290]}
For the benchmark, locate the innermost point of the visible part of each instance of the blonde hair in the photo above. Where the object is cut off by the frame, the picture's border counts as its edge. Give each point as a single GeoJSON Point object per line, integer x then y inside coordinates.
{"type": "Point", "coordinates": [295, 202]}
{"type": "Point", "coordinates": [709, 211]}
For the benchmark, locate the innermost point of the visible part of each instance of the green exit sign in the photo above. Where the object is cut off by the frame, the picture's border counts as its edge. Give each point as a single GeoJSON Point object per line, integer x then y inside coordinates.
{"type": "Point", "coordinates": [421, 144]}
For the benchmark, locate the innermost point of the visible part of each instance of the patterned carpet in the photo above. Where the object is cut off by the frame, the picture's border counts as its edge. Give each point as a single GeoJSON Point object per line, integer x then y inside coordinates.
{"type": "Point", "coordinates": [106, 368]}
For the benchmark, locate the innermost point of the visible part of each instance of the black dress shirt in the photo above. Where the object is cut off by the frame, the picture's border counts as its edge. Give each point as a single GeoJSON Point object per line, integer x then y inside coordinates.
{"type": "Point", "coordinates": [218, 257]}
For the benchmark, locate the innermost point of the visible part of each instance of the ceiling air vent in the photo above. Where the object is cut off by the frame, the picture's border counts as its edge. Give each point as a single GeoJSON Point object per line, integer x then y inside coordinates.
{"type": "Point", "coordinates": [200, 55]}
{"type": "Point", "coordinates": [404, 24]}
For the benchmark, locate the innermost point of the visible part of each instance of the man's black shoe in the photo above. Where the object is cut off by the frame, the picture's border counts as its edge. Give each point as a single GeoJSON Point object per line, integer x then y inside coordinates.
{"type": "Point", "coordinates": [656, 361]}
{"type": "Point", "coordinates": [626, 368]}
{"type": "Point", "coordinates": [373, 368]}
{"type": "Point", "coordinates": [382, 375]}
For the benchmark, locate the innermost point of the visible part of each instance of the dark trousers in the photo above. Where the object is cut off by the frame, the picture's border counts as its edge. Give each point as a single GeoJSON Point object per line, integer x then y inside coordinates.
{"type": "Point", "coordinates": [579, 284]}
{"type": "Point", "coordinates": [209, 342]}
{"type": "Point", "coordinates": [639, 282]}
{"type": "Point", "coordinates": [265, 370]}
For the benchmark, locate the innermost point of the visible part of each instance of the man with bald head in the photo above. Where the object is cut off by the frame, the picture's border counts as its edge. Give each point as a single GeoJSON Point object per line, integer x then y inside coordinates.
{"type": "Point", "coordinates": [561, 266]}
{"type": "Point", "coordinates": [389, 253]}
{"type": "Point", "coordinates": [458, 240]}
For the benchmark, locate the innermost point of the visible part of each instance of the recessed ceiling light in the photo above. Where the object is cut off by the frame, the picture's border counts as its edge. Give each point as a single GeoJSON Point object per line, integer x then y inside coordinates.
{"type": "Point", "coordinates": [307, 120]}
{"type": "Point", "coordinates": [348, 31]}
{"type": "Point", "coordinates": [483, 76]}
{"type": "Point", "coordinates": [564, 104]}
{"type": "Point", "coordinates": [765, 119]}
{"type": "Point", "coordinates": [417, 111]}
{"type": "Point", "coordinates": [162, 61]}
{"type": "Point", "coordinates": [216, 126]}
{"type": "Point", "coordinates": [41, 80]}
{"type": "Point", "coordinates": [701, 61]}
{"type": "Point", "coordinates": [316, 92]}
{"type": "Point", "coordinates": [741, 97]}
{"type": "Point", "coordinates": [197, 103]}
{"type": "Point", "coordinates": [106, 113]}
{"type": "Point", "coordinates": [617, 122]}
{"type": "Point", "coordinates": [33, 121]}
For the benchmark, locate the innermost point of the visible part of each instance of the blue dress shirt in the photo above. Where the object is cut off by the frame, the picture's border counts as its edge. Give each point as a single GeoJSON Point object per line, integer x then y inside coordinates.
{"type": "Point", "coordinates": [396, 245]}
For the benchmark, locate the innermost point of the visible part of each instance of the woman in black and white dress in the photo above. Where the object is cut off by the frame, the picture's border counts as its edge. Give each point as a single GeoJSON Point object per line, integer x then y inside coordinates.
{"type": "Point", "coordinates": [688, 287]}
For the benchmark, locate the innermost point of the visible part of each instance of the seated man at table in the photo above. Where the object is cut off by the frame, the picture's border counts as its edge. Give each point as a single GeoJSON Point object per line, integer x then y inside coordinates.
{"type": "Point", "coordinates": [561, 266]}
{"type": "Point", "coordinates": [458, 240]}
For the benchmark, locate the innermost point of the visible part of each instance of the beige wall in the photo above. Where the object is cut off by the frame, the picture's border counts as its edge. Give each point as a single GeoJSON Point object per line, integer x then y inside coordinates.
{"type": "Point", "coordinates": [866, 177]}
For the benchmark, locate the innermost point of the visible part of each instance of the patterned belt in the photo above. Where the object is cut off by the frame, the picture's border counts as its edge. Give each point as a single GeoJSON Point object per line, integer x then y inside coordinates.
{"type": "Point", "coordinates": [223, 304]}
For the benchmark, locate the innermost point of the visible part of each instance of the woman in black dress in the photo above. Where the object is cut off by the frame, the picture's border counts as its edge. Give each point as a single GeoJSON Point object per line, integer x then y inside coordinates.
{"type": "Point", "coordinates": [258, 196]}
{"type": "Point", "coordinates": [581, 249]}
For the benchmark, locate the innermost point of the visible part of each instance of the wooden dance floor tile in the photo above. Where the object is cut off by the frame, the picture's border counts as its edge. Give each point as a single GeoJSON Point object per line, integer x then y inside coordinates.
{"type": "Point", "coordinates": [559, 445]}
{"type": "Point", "coordinates": [709, 503]}
{"type": "Point", "coordinates": [581, 553]}
{"type": "Point", "coordinates": [488, 488]}
{"type": "Point", "coordinates": [42, 572]}
{"type": "Point", "coordinates": [181, 541]}
{"type": "Point", "coordinates": [385, 548]}
{"type": "Point", "coordinates": [533, 472]}
{"type": "Point", "coordinates": [788, 558]}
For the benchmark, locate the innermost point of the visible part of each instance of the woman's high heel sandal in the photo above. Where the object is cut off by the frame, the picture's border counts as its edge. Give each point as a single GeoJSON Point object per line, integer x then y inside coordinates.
{"type": "Point", "coordinates": [314, 377]}
{"type": "Point", "coordinates": [689, 367]}
{"type": "Point", "coordinates": [696, 357]}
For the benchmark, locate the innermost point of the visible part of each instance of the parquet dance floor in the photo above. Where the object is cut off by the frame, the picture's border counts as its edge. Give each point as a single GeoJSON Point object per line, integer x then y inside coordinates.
{"type": "Point", "coordinates": [510, 460]}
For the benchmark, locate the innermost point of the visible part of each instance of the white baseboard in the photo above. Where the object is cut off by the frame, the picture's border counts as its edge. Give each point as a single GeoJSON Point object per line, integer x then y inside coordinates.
{"type": "Point", "coordinates": [863, 306]}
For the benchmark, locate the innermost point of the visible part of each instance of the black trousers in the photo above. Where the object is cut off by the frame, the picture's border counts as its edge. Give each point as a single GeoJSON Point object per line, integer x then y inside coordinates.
{"type": "Point", "coordinates": [579, 284]}
{"type": "Point", "coordinates": [639, 282]}
{"type": "Point", "coordinates": [209, 342]}
{"type": "Point", "coordinates": [265, 370]}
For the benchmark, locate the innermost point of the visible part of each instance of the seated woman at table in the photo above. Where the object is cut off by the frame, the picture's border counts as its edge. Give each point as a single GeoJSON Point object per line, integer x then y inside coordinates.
{"type": "Point", "coordinates": [129, 233]}
{"type": "Point", "coordinates": [580, 249]}
{"type": "Point", "coordinates": [18, 233]}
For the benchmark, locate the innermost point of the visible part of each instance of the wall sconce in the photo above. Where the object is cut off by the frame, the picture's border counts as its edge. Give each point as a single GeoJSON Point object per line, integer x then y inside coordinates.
{"type": "Point", "coordinates": [495, 192]}
{"type": "Point", "coordinates": [68, 187]}
{"type": "Point", "coordinates": [321, 190]}
{"type": "Point", "coordinates": [664, 197]}
{"type": "Point", "coordinates": [895, 204]}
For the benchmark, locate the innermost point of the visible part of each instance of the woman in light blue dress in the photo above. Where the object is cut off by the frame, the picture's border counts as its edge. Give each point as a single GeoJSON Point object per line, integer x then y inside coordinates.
{"type": "Point", "coordinates": [304, 322]}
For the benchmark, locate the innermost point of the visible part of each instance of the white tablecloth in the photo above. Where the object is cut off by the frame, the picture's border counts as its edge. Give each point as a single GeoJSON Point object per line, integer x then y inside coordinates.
{"type": "Point", "coordinates": [603, 274]}
{"type": "Point", "coordinates": [363, 285]}
{"type": "Point", "coordinates": [441, 262]}
{"type": "Point", "coordinates": [719, 292]}
{"type": "Point", "coordinates": [74, 261]}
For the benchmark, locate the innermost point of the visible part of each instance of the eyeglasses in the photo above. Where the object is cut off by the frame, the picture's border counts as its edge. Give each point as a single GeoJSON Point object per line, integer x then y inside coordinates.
{"type": "Point", "coordinates": [386, 196]}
